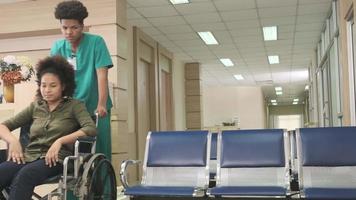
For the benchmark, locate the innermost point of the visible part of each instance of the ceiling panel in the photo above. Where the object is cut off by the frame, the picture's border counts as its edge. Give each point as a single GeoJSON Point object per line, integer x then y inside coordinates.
{"type": "Point", "coordinates": [203, 18]}
{"type": "Point", "coordinates": [167, 21]}
{"type": "Point", "coordinates": [226, 5]}
{"type": "Point", "coordinates": [237, 25]}
{"type": "Point", "coordinates": [195, 8]}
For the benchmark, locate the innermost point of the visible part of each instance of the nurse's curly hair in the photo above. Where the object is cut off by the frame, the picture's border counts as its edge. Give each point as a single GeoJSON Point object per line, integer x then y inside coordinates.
{"type": "Point", "coordinates": [71, 10]}
{"type": "Point", "coordinates": [60, 67]}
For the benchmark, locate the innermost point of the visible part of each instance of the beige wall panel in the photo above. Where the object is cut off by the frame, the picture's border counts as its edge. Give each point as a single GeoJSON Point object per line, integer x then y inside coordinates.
{"type": "Point", "coordinates": [123, 78]}
{"type": "Point", "coordinates": [121, 13]}
{"type": "Point", "coordinates": [108, 32]}
{"type": "Point", "coordinates": [38, 15]}
{"type": "Point", "coordinates": [28, 43]}
{"type": "Point", "coordinates": [193, 103]}
{"type": "Point", "coordinates": [122, 42]}
{"type": "Point", "coordinates": [194, 120]}
{"type": "Point", "coordinates": [192, 71]}
{"type": "Point", "coordinates": [119, 135]}
{"type": "Point", "coordinates": [6, 112]}
{"type": "Point", "coordinates": [193, 87]}
{"type": "Point", "coordinates": [114, 36]}
{"type": "Point", "coordinates": [122, 98]}
{"type": "Point", "coordinates": [178, 94]}
{"type": "Point", "coordinates": [24, 94]}
{"type": "Point", "coordinates": [116, 163]}
{"type": "Point", "coordinates": [344, 8]}
{"type": "Point", "coordinates": [146, 52]}
{"type": "Point", "coordinates": [114, 71]}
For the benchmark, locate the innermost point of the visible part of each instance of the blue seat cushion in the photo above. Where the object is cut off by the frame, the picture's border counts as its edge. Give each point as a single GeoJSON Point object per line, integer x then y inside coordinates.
{"type": "Point", "coordinates": [248, 191]}
{"type": "Point", "coordinates": [140, 190]}
{"type": "Point", "coordinates": [330, 193]}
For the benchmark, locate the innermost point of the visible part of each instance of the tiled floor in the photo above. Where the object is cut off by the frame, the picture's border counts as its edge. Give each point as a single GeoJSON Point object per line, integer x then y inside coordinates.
{"type": "Point", "coordinates": [45, 189]}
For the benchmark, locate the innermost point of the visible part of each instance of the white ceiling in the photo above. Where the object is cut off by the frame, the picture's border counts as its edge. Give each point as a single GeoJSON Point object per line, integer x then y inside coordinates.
{"type": "Point", "coordinates": [237, 25]}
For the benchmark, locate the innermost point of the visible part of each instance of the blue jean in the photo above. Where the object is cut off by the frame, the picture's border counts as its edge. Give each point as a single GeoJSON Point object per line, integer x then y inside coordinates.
{"type": "Point", "coordinates": [22, 178]}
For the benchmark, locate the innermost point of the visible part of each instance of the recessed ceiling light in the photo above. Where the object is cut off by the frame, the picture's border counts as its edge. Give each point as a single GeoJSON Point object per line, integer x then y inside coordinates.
{"type": "Point", "coordinates": [179, 1]}
{"type": "Point", "coordinates": [274, 104]}
{"type": "Point", "coordinates": [273, 59]}
{"type": "Point", "coordinates": [296, 100]}
{"type": "Point", "coordinates": [273, 101]}
{"type": "Point", "coordinates": [279, 93]}
{"type": "Point", "coordinates": [238, 77]}
{"type": "Point", "coordinates": [227, 62]}
{"type": "Point", "coordinates": [208, 38]}
{"type": "Point", "coordinates": [270, 33]}
{"type": "Point", "coordinates": [278, 88]}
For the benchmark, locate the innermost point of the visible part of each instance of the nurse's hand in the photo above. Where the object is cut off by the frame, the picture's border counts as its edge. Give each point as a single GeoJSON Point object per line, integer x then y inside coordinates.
{"type": "Point", "coordinates": [101, 110]}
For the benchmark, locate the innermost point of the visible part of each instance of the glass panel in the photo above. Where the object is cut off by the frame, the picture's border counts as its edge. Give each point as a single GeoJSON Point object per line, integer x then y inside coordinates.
{"type": "Point", "coordinates": [320, 99]}
{"type": "Point", "coordinates": [327, 35]}
{"type": "Point", "coordinates": [319, 53]}
{"type": "Point", "coordinates": [335, 84]}
{"type": "Point", "coordinates": [325, 82]}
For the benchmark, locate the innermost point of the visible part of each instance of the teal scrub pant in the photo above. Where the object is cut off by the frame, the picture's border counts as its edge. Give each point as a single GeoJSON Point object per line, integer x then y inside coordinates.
{"type": "Point", "coordinates": [103, 143]}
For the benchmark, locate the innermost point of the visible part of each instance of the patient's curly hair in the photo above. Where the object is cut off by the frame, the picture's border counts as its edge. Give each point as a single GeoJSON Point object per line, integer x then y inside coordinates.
{"type": "Point", "coordinates": [71, 10]}
{"type": "Point", "coordinates": [60, 67]}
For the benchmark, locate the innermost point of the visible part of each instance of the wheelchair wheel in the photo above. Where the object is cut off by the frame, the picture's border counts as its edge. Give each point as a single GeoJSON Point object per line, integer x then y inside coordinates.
{"type": "Point", "coordinates": [100, 179]}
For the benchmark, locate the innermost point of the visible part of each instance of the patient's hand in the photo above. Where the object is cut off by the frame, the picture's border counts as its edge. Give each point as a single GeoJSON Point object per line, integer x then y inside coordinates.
{"type": "Point", "coordinates": [15, 152]}
{"type": "Point", "coordinates": [52, 153]}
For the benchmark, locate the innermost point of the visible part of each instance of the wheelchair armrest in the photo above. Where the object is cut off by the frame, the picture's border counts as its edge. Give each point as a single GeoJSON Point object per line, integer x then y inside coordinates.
{"type": "Point", "coordinates": [85, 144]}
{"type": "Point", "coordinates": [88, 139]}
{"type": "Point", "coordinates": [124, 165]}
{"type": "Point", "coordinates": [3, 155]}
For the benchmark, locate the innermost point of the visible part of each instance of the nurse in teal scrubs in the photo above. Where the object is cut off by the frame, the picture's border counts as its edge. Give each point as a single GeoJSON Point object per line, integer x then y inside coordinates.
{"type": "Point", "coordinates": [91, 60]}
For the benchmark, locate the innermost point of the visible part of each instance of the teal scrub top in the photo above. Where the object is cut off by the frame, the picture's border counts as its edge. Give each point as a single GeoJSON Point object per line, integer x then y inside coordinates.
{"type": "Point", "coordinates": [91, 54]}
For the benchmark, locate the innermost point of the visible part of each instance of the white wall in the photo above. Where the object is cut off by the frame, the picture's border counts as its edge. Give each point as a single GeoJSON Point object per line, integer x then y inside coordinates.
{"type": "Point", "coordinates": [221, 104]}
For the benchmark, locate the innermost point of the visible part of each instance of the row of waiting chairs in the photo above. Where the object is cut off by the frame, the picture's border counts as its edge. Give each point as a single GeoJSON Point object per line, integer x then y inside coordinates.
{"type": "Point", "coordinates": [249, 164]}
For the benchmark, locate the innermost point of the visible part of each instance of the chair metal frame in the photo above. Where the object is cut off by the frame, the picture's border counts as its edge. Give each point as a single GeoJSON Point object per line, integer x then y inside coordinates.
{"type": "Point", "coordinates": [198, 192]}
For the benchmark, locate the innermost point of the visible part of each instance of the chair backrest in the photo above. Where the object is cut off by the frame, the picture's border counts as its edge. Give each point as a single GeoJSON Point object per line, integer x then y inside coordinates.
{"type": "Point", "coordinates": [177, 158]}
{"type": "Point", "coordinates": [327, 157]}
{"type": "Point", "coordinates": [253, 158]}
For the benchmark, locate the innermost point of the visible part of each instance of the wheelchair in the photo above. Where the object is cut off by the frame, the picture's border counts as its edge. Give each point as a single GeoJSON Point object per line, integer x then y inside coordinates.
{"type": "Point", "coordinates": [89, 175]}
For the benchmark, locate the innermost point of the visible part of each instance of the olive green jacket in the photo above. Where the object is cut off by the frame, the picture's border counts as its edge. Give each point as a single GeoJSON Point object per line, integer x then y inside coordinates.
{"type": "Point", "coordinates": [47, 126]}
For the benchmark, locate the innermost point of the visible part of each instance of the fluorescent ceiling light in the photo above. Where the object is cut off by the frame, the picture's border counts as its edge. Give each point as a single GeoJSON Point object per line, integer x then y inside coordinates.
{"type": "Point", "coordinates": [227, 62]}
{"type": "Point", "coordinates": [208, 38]}
{"type": "Point", "coordinates": [296, 100]}
{"type": "Point", "coordinates": [279, 93]}
{"type": "Point", "coordinates": [238, 77]}
{"type": "Point", "coordinates": [270, 33]}
{"type": "Point", "coordinates": [273, 101]}
{"type": "Point", "coordinates": [179, 1]}
{"type": "Point", "coordinates": [306, 87]}
{"type": "Point", "coordinates": [274, 104]}
{"type": "Point", "coordinates": [278, 88]}
{"type": "Point", "coordinates": [273, 59]}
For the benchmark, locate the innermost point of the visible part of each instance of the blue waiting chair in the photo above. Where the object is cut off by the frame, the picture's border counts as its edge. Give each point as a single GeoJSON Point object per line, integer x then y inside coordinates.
{"type": "Point", "coordinates": [327, 162]}
{"type": "Point", "coordinates": [176, 164]}
{"type": "Point", "coordinates": [252, 164]}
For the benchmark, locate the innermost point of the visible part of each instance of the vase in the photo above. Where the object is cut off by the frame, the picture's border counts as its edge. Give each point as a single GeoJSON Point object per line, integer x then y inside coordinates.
{"type": "Point", "coordinates": [9, 93]}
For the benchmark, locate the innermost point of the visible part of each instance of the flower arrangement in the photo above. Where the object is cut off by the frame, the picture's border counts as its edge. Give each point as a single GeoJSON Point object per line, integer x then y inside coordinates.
{"type": "Point", "coordinates": [14, 69]}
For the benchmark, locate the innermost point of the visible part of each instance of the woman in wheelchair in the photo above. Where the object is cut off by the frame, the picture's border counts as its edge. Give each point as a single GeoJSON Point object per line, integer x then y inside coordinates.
{"type": "Point", "coordinates": [57, 121]}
